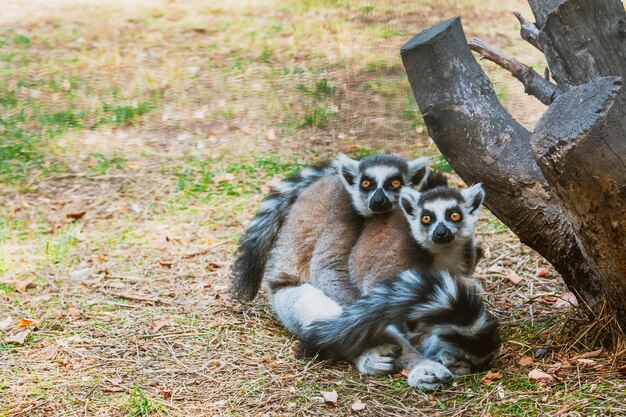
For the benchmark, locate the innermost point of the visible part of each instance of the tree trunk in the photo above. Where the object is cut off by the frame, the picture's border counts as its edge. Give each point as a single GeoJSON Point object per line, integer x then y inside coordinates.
{"type": "Point", "coordinates": [563, 190]}
{"type": "Point", "coordinates": [584, 160]}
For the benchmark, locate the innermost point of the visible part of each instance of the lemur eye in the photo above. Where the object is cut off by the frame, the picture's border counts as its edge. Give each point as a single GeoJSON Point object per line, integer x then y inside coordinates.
{"type": "Point", "coordinates": [426, 219]}
{"type": "Point", "coordinates": [366, 184]}
{"type": "Point", "coordinates": [396, 183]}
{"type": "Point", "coordinates": [455, 216]}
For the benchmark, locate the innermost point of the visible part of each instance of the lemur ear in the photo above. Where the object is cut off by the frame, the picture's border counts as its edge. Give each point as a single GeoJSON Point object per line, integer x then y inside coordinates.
{"type": "Point", "coordinates": [408, 200]}
{"type": "Point", "coordinates": [418, 171]}
{"type": "Point", "coordinates": [474, 196]}
{"type": "Point", "coordinates": [348, 168]}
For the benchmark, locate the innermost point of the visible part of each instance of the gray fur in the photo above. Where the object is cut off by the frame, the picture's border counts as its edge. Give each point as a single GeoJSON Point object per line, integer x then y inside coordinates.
{"type": "Point", "coordinates": [450, 312]}
{"type": "Point", "coordinates": [262, 230]}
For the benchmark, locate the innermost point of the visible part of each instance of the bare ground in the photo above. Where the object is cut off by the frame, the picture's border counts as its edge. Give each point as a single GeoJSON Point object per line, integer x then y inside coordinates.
{"type": "Point", "coordinates": [155, 128]}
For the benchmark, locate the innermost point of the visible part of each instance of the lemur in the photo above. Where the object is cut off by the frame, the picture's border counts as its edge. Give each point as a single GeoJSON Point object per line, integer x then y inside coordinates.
{"type": "Point", "coordinates": [349, 190]}
{"type": "Point", "coordinates": [306, 271]}
{"type": "Point", "coordinates": [307, 267]}
{"type": "Point", "coordinates": [441, 221]}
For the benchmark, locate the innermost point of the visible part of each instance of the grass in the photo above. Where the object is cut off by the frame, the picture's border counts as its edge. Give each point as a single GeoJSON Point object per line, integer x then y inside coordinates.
{"type": "Point", "coordinates": [140, 405]}
{"type": "Point", "coordinates": [136, 141]}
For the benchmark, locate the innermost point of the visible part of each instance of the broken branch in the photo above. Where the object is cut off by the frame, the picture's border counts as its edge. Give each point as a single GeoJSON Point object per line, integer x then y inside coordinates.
{"type": "Point", "coordinates": [534, 84]}
{"type": "Point", "coordinates": [528, 31]}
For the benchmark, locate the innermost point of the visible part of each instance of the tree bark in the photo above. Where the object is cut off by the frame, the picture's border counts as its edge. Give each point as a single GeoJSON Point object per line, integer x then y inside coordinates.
{"type": "Point", "coordinates": [563, 191]}
{"type": "Point", "coordinates": [584, 160]}
{"type": "Point", "coordinates": [582, 39]}
{"type": "Point", "coordinates": [483, 143]}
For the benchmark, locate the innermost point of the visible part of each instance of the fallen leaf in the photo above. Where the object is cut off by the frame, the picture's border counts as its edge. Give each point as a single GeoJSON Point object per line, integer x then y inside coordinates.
{"type": "Point", "coordinates": [525, 361]}
{"type": "Point", "coordinates": [159, 325]}
{"type": "Point", "coordinates": [330, 396]}
{"type": "Point", "coordinates": [136, 207]}
{"type": "Point", "coordinates": [76, 215]}
{"type": "Point", "coordinates": [490, 377]}
{"type": "Point", "coordinates": [18, 338]}
{"type": "Point", "coordinates": [6, 323]}
{"type": "Point", "coordinates": [622, 370]}
{"type": "Point", "coordinates": [25, 322]}
{"type": "Point", "coordinates": [212, 266]}
{"type": "Point", "coordinates": [165, 263]}
{"type": "Point", "coordinates": [543, 272]}
{"type": "Point", "coordinates": [23, 285]}
{"type": "Point", "coordinates": [538, 375]}
{"type": "Point", "coordinates": [228, 177]}
{"type": "Point", "coordinates": [81, 274]}
{"type": "Point", "coordinates": [358, 406]}
{"type": "Point", "coordinates": [73, 312]}
{"type": "Point", "coordinates": [405, 372]}
{"type": "Point", "coordinates": [271, 134]}
{"type": "Point", "coordinates": [588, 355]}
{"type": "Point", "coordinates": [586, 361]}
{"type": "Point", "coordinates": [566, 300]}
{"type": "Point", "coordinates": [500, 393]}
{"type": "Point", "coordinates": [514, 277]}
{"type": "Point", "coordinates": [113, 389]}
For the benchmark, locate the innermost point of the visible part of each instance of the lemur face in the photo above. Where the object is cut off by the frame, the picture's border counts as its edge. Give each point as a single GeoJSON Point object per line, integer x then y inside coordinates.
{"type": "Point", "coordinates": [442, 215]}
{"type": "Point", "coordinates": [374, 183]}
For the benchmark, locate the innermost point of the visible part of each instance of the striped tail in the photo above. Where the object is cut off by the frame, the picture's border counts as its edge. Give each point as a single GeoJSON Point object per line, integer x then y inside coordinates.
{"type": "Point", "coordinates": [452, 310]}
{"type": "Point", "coordinates": [262, 230]}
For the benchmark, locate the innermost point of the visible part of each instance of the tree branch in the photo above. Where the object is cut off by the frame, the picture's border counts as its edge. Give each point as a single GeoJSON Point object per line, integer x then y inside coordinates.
{"type": "Point", "coordinates": [529, 31]}
{"type": "Point", "coordinates": [534, 84]}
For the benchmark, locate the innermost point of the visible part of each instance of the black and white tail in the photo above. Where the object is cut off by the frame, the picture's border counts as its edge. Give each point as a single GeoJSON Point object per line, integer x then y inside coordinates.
{"type": "Point", "coordinates": [439, 305]}
{"type": "Point", "coordinates": [259, 236]}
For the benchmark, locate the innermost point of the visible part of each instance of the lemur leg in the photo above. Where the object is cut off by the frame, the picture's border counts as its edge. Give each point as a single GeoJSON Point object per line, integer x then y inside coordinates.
{"type": "Point", "coordinates": [425, 374]}
{"type": "Point", "coordinates": [298, 306]}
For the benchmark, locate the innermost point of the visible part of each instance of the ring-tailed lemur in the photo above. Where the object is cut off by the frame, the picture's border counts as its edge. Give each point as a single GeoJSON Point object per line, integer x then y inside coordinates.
{"type": "Point", "coordinates": [369, 186]}
{"type": "Point", "coordinates": [315, 242]}
{"type": "Point", "coordinates": [449, 314]}
{"type": "Point", "coordinates": [441, 221]}
{"type": "Point", "coordinates": [385, 248]}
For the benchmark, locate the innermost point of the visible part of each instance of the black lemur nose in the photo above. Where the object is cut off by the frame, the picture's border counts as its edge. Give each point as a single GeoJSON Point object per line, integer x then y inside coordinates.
{"type": "Point", "coordinates": [442, 234]}
{"type": "Point", "coordinates": [379, 197]}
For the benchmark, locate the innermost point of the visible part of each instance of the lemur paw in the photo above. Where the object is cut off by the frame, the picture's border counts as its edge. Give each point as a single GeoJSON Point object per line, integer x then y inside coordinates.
{"type": "Point", "coordinates": [457, 365]}
{"type": "Point", "coordinates": [378, 360]}
{"type": "Point", "coordinates": [429, 375]}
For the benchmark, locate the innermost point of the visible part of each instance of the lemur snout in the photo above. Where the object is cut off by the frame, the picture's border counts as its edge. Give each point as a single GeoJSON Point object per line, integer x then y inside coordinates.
{"type": "Point", "coordinates": [442, 234]}
{"type": "Point", "coordinates": [379, 201]}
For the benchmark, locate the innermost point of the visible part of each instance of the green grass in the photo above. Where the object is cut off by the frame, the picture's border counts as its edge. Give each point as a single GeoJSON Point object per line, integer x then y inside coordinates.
{"type": "Point", "coordinates": [107, 163]}
{"type": "Point", "coordinates": [30, 123]}
{"type": "Point", "coordinates": [211, 179]}
{"type": "Point", "coordinates": [60, 247]}
{"type": "Point", "coordinates": [440, 164]}
{"type": "Point", "coordinates": [140, 405]}
{"type": "Point", "coordinates": [317, 103]}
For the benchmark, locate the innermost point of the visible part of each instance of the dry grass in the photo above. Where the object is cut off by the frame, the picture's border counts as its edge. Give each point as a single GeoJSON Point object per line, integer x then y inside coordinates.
{"type": "Point", "coordinates": [151, 128]}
